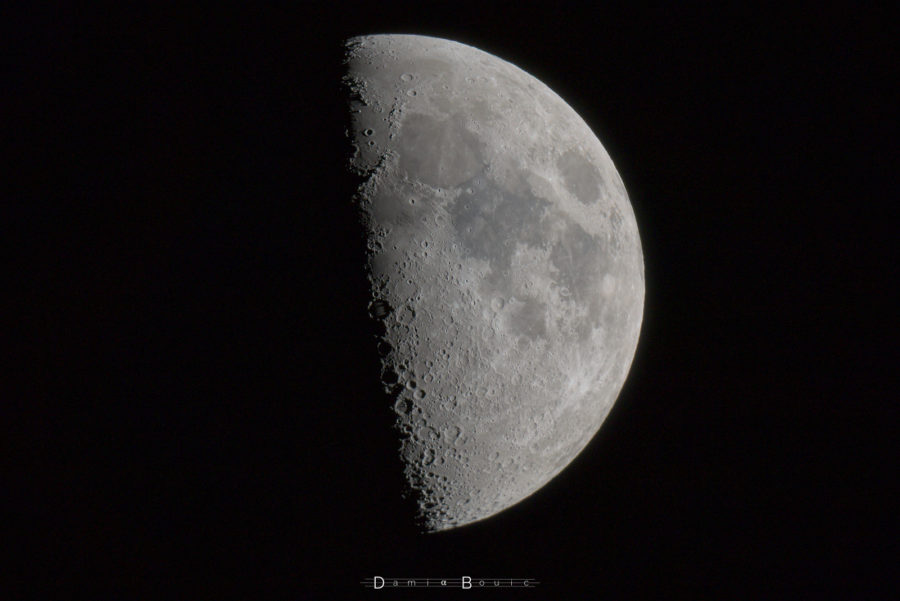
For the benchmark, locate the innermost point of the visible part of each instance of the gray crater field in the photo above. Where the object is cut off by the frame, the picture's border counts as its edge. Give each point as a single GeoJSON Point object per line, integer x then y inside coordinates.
{"type": "Point", "coordinates": [504, 262]}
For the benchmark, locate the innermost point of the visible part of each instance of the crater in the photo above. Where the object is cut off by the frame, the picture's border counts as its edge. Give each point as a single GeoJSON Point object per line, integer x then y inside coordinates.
{"type": "Point", "coordinates": [379, 309]}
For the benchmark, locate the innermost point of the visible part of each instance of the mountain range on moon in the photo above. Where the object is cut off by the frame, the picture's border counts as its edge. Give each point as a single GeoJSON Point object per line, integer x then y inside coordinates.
{"type": "Point", "coordinates": [504, 264]}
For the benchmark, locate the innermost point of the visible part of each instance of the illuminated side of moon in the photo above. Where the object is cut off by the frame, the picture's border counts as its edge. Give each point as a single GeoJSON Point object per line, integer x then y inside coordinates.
{"type": "Point", "coordinates": [505, 265]}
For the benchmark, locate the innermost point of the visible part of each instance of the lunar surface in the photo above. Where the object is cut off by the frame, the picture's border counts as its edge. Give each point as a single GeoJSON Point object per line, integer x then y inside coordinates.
{"type": "Point", "coordinates": [504, 263]}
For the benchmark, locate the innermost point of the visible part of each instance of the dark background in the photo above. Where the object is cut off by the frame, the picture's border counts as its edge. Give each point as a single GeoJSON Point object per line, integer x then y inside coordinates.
{"type": "Point", "coordinates": [193, 404]}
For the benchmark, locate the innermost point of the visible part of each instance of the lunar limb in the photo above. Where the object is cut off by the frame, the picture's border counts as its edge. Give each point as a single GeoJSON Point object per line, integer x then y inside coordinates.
{"type": "Point", "coordinates": [504, 263]}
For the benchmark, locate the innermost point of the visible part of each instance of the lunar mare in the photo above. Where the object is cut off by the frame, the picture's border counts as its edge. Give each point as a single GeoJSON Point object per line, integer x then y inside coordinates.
{"type": "Point", "coordinates": [505, 266]}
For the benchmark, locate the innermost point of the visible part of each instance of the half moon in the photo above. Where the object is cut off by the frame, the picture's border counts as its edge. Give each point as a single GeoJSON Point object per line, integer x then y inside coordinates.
{"type": "Point", "coordinates": [505, 266]}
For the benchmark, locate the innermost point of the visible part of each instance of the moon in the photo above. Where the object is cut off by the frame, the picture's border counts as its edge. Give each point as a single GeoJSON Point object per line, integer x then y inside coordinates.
{"type": "Point", "coordinates": [505, 268]}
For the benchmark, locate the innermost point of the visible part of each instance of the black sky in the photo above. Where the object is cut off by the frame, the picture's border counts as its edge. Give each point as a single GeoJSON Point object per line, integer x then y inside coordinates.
{"type": "Point", "coordinates": [191, 369]}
